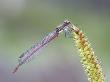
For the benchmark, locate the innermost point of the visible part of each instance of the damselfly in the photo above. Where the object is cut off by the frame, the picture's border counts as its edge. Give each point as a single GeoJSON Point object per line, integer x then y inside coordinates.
{"type": "Point", "coordinates": [30, 52]}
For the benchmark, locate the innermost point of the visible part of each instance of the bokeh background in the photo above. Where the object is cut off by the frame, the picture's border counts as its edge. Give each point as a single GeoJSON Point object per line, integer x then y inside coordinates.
{"type": "Point", "coordinates": [25, 22]}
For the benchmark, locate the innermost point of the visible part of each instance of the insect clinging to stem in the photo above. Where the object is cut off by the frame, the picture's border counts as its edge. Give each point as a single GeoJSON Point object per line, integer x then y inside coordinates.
{"type": "Point", "coordinates": [26, 56]}
{"type": "Point", "coordinates": [89, 60]}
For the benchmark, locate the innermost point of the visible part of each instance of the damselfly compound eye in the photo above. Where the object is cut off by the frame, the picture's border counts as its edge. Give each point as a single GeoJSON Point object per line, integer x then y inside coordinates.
{"type": "Point", "coordinates": [67, 21]}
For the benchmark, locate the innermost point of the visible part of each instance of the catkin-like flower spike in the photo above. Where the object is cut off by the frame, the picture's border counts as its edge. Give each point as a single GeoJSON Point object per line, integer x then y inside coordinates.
{"type": "Point", "coordinates": [88, 59]}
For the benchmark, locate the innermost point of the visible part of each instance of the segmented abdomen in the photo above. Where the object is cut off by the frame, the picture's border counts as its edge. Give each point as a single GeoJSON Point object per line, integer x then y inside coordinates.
{"type": "Point", "coordinates": [27, 56]}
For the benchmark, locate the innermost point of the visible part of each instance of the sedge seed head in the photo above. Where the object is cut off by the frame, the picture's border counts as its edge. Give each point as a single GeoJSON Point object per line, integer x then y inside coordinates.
{"type": "Point", "coordinates": [88, 59]}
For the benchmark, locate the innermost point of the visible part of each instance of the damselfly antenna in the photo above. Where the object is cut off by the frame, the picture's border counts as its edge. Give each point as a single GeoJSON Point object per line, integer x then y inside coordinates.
{"type": "Point", "coordinates": [26, 56]}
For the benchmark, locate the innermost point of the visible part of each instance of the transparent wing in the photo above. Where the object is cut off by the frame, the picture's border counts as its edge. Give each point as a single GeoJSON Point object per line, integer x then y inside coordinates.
{"type": "Point", "coordinates": [68, 32]}
{"type": "Point", "coordinates": [27, 56]}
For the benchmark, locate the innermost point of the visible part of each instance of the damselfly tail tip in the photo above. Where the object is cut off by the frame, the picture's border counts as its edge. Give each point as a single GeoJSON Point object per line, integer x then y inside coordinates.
{"type": "Point", "coordinates": [16, 68]}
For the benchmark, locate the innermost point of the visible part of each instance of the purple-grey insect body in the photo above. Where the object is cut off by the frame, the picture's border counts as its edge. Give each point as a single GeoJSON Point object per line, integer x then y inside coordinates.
{"type": "Point", "coordinates": [30, 52]}
{"type": "Point", "coordinates": [26, 55]}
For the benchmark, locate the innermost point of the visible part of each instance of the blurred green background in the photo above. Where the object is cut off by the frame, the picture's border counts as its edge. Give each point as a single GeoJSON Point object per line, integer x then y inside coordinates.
{"type": "Point", "coordinates": [25, 22]}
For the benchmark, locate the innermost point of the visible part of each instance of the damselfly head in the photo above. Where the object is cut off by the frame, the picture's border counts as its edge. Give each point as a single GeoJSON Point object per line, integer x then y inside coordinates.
{"type": "Point", "coordinates": [61, 27]}
{"type": "Point", "coordinates": [67, 21]}
{"type": "Point", "coordinates": [68, 29]}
